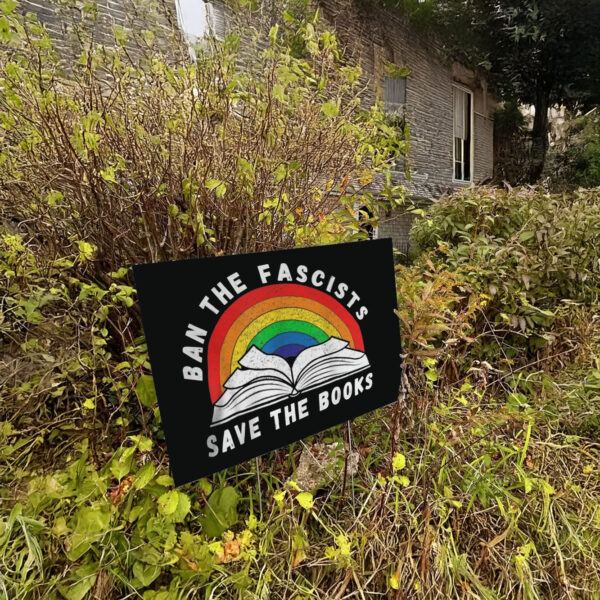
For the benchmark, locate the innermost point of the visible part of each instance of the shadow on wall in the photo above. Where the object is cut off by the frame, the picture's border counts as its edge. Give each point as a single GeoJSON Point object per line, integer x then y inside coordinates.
{"type": "Point", "coordinates": [397, 225]}
{"type": "Point", "coordinates": [403, 254]}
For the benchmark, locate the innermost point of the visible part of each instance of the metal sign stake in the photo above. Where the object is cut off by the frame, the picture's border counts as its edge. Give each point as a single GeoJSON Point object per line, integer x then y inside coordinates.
{"type": "Point", "coordinates": [351, 467]}
{"type": "Point", "coordinates": [259, 488]}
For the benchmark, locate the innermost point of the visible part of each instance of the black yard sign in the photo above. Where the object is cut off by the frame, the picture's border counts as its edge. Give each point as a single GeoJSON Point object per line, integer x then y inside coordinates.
{"type": "Point", "coordinates": [252, 352]}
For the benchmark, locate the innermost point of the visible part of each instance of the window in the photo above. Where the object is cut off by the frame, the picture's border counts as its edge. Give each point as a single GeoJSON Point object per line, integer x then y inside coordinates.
{"type": "Point", "coordinates": [216, 19]}
{"type": "Point", "coordinates": [365, 222]}
{"type": "Point", "coordinates": [463, 137]}
{"type": "Point", "coordinates": [199, 19]}
{"type": "Point", "coordinates": [394, 94]}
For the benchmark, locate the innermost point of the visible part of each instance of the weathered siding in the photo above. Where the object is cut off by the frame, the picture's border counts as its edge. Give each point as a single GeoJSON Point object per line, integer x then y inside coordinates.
{"type": "Point", "coordinates": [397, 226]}
{"type": "Point", "coordinates": [61, 19]}
{"type": "Point", "coordinates": [373, 37]}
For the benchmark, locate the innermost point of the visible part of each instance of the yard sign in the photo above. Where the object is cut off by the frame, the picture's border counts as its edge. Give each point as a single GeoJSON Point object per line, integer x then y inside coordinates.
{"type": "Point", "coordinates": [252, 352]}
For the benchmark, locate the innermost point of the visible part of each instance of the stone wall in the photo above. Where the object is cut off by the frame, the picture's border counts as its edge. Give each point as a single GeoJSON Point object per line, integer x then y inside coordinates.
{"type": "Point", "coordinates": [61, 19]}
{"type": "Point", "coordinates": [373, 37]}
{"type": "Point", "coordinates": [396, 225]}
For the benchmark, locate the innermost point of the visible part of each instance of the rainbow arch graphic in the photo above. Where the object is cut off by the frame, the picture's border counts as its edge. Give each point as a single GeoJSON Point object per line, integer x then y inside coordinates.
{"type": "Point", "coordinates": [280, 319]}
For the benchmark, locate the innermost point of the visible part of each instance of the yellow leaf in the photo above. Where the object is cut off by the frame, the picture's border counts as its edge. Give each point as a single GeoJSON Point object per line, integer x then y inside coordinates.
{"type": "Point", "coordinates": [252, 522]}
{"type": "Point", "coordinates": [305, 500]}
{"type": "Point", "coordinates": [398, 462]}
{"type": "Point", "coordinates": [343, 544]}
{"type": "Point", "coordinates": [89, 403]}
{"type": "Point", "coordinates": [86, 250]}
{"type": "Point", "coordinates": [299, 556]}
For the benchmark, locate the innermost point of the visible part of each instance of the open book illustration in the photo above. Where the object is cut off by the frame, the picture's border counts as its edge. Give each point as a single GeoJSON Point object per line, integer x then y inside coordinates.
{"type": "Point", "coordinates": [266, 379]}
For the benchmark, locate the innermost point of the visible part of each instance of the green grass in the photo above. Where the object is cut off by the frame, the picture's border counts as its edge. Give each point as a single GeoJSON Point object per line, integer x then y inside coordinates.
{"type": "Point", "coordinates": [501, 500]}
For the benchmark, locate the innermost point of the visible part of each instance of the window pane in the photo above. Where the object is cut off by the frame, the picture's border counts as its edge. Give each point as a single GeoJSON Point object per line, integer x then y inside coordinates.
{"type": "Point", "coordinates": [458, 148]}
{"type": "Point", "coordinates": [467, 142]}
{"type": "Point", "coordinates": [193, 17]}
{"type": "Point", "coordinates": [394, 93]}
{"type": "Point", "coordinates": [463, 136]}
{"type": "Point", "coordinates": [457, 170]}
{"type": "Point", "coordinates": [467, 160]}
{"type": "Point", "coordinates": [460, 107]}
{"type": "Point", "coordinates": [199, 18]}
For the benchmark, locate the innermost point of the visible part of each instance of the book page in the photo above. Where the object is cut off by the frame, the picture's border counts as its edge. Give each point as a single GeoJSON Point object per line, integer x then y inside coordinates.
{"type": "Point", "coordinates": [242, 377]}
{"type": "Point", "coordinates": [257, 359]}
{"type": "Point", "coordinates": [314, 353]}
{"type": "Point", "coordinates": [238, 401]}
{"type": "Point", "coordinates": [332, 367]}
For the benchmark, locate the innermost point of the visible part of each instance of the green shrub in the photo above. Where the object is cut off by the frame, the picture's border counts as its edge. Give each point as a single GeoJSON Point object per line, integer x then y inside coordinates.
{"type": "Point", "coordinates": [526, 251]}
{"type": "Point", "coordinates": [137, 158]}
{"type": "Point", "coordinates": [509, 121]}
{"type": "Point", "coordinates": [151, 157]}
{"type": "Point", "coordinates": [584, 163]}
{"type": "Point", "coordinates": [127, 158]}
{"type": "Point", "coordinates": [580, 163]}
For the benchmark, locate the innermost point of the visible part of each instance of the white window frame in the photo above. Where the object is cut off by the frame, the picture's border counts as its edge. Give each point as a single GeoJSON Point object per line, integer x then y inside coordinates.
{"type": "Point", "coordinates": [472, 140]}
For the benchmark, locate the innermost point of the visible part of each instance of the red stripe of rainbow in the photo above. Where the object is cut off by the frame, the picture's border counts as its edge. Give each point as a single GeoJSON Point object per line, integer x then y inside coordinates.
{"type": "Point", "coordinates": [270, 304]}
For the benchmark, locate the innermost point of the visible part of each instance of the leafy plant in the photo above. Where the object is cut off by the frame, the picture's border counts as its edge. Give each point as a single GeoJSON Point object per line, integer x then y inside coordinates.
{"type": "Point", "coordinates": [221, 511]}
{"type": "Point", "coordinates": [579, 164]}
{"type": "Point", "coordinates": [524, 252]}
{"type": "Point", "coordinates": [133, 158]}
{"type": "Point", "coordinates": [482, 480]}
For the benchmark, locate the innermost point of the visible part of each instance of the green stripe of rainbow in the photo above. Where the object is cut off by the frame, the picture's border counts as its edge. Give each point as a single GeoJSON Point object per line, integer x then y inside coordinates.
{"type": "Point", "coordinates": [261, 339]}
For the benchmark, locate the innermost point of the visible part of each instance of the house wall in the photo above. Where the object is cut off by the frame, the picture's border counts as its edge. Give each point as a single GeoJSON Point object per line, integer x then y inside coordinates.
{"type": "Point", "coordinates": [373, 37]}
{"type": "Point", "coordinates": [59, 19]}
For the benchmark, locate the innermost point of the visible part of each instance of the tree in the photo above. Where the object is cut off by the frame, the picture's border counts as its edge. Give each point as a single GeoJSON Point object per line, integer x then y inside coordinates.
{"type": "Point", "coordinates": [540, 52]}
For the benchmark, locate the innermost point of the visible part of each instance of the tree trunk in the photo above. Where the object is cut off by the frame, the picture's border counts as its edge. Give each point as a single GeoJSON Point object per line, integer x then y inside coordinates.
{"type": "Point", "coordinates": [539, 136]}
